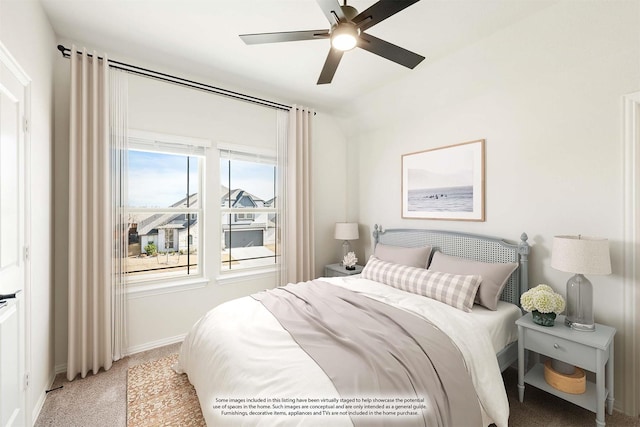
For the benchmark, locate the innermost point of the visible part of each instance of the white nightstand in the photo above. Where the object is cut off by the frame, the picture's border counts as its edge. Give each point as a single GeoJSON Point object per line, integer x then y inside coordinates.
{"type": "Point", "coordinates": [592, 351]}
{"type": "Point", "coordinates": [336, 270]}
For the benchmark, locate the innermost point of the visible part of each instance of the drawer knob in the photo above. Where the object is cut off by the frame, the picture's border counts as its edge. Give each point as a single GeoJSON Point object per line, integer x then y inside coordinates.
{"type": "Point", "coordinates": [556, 346]}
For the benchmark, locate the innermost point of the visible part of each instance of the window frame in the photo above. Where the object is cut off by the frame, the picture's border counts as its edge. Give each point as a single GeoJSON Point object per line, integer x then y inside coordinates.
{"type": "Point", "coordinates": [150, 284]}
{"type": "Point", "coordinates": [257, 155]}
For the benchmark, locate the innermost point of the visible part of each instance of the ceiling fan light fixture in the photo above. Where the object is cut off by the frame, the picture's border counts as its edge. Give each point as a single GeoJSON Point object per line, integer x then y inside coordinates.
{"type": "Point", "coordinates": [348, 29]}
{"type": "Point", "coordinates": [344, 36]}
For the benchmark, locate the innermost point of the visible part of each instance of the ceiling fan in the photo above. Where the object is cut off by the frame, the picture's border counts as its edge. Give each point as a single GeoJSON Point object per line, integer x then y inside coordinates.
{"type": "Point", "coordinates": [348, 31]}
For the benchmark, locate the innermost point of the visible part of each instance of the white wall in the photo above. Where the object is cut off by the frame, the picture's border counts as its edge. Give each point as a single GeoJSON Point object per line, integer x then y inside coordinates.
{"type": "Point", "coordinates": [332, 191]}
{"type": "Point", "coordinates": [165, 108]}
{"type": "Point", "coordinates": [25, 31]}
{"type": "Point", "coordinates": [546, 94]}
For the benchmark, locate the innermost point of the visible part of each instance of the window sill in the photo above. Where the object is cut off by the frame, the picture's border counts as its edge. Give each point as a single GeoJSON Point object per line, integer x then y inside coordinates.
{"type": "Point", "coordinates": [180, 285]}
{"type": "Point", "coordinates": [244, 275]}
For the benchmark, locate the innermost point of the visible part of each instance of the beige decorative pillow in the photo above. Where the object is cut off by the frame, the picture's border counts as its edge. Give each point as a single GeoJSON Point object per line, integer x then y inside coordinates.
{"type": "Point", "coordinates": [454, 290]}
{"type": "Point", "coordinates": [494, 275]}
{"type": "Point", "coordinates": [413, 257]}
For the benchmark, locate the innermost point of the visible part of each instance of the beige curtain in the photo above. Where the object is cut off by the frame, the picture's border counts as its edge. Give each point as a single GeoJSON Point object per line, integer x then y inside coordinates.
{"type": "Point", "coordinates": [90, 328]}
{"type": "Point", "coordinates": [298, 225]}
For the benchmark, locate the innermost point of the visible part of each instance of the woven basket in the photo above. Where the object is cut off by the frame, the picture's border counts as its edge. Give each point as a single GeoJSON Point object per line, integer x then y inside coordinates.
{"type": "Point", "coordinates": [575, 383]}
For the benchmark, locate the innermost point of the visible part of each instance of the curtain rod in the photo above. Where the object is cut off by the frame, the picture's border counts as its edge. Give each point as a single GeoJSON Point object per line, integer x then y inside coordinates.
{"type": "Point", "coordinates": [66, 53]}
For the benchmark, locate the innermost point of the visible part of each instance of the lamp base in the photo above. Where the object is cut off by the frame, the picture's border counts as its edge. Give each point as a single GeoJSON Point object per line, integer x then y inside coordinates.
{"type": "Point", "coordinates": [579, 326]}
{"type": "Point", "coordinates": [346, 248]}
{"type": "Point", "coordinates": [583, 327]}
{"type": "Point", "coordinates": [579, 311]}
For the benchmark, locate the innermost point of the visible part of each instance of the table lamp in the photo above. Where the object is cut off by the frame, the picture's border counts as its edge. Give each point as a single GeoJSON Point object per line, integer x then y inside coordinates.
{"type": "Point", "coordinates": [346, 231]}
{"type": "Point", "coordinates": [580, 255]}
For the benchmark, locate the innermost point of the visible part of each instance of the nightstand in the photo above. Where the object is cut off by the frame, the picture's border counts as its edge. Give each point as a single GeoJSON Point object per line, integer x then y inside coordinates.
{"type": "Point", "coordinates": [592, 351]}
{"type": "Point", "coordinates": [336, 270]}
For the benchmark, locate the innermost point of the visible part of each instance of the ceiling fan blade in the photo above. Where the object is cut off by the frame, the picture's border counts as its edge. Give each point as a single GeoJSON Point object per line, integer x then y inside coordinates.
{"type": "Point", "coordinates": [288, 36]}
{"type": "Point", "coordinates": [329, 7]}
{"type": "Point", "coordinates": [389, 51]}
{"type": "Point", "coordinates": [380, 11]}
{"type": "Point", "coordinates": [330, 66]}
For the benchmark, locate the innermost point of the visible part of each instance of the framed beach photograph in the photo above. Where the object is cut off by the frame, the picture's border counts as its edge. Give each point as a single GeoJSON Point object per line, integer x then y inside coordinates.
{"type": "Point", "coordinates": [444, 183]}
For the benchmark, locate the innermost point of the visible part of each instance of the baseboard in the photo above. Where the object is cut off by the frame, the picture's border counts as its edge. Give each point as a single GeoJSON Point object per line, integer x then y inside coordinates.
{"type": "Point", "coordinates": [154, 344]}
{"type": "Point", "coordinates": [37, 408]}
{"type": "Point", "coordinates": [60, 369]}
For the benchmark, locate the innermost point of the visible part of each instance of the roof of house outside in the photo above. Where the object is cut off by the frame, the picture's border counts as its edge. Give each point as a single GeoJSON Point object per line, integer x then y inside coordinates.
{"type": "Point", "coordinates": [157, 220]}
{"type": "Point", "coordinates": [239, 197]}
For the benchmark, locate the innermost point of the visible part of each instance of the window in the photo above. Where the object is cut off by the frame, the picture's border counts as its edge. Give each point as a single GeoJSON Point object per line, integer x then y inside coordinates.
{"type": "Point", "coordinates": [164, 207]}
{"type": "Point", "coordinates": [244, 217]}
{"type": "Point", "coordinates": [249, 212]}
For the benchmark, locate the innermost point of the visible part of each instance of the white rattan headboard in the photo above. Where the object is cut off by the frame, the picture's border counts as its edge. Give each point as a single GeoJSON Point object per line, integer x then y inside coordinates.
{"type": "Point", "coordinates": [471, 246]}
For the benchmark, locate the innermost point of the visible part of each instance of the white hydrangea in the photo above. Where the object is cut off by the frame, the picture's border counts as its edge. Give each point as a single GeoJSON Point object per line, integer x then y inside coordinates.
{"type": "Point", "coordinates": [560, 304]}
{"type": "Point", "coordinates": [526, 301]}
{"type": "Point", "coordinates": [542, 287]}
{"type": "Point", "coordinates": [544, 302]}
{"type": "Point", "coordinates": [543, 299]}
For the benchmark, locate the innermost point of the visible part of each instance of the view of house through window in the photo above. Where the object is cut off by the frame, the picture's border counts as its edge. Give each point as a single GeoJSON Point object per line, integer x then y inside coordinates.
{"type": "Point", "coordinates": [164, 208]}
{"type": "Point", "coordinates": [249, 212]}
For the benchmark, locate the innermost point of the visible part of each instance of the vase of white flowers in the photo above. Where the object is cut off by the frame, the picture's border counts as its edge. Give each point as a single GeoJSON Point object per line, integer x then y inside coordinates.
{"type": "Point", "coordinates": [349, 261]}
{"type": "Point", "coordinates": [543, 303]}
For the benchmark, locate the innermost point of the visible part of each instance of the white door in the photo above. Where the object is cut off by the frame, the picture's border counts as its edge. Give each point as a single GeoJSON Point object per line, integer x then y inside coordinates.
{"type": "Point", "coordinates": [13, 385]}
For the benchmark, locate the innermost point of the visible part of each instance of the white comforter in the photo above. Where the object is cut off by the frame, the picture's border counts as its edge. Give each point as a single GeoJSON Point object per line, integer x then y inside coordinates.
{"type": "Point", "coordinates": [224, 356]}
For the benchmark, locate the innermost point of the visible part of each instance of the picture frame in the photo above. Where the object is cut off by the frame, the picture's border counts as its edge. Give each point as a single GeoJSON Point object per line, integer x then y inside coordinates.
{"type": "Point", "coordinates": [445, 183]}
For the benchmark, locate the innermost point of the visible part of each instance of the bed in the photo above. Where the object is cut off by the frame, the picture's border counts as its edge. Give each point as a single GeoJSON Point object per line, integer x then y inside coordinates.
{"type": "Point", "coordinates": [251, 366]}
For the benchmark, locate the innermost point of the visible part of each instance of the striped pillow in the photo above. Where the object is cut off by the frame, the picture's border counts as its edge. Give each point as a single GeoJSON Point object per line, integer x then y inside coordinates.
{"type": "Point", "coordinates": [452, 289]}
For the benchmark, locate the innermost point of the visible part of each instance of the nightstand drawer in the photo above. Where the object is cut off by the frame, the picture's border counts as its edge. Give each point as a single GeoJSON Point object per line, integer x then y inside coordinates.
{"type": "Point", "coordinates": [337, 270]}
{"type": "Point", "coordinates": [561, 349]}
{"type": "Point", "coordinates": [333, 273]}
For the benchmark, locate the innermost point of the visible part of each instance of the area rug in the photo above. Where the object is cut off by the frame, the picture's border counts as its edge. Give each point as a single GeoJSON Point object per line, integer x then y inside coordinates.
{"type": "Point", "coordinates": [158, 396]}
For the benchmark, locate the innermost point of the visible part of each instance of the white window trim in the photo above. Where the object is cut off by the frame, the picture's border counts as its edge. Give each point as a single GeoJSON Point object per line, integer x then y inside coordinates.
{"type": "Point", "coordinates": [238, 276]}
{"type": "Point", "coordinates": [258, 151]}
{"type": "Point", "coordinates": [142, 290]}
{"type": "Point", "coordinates": [155, 139]}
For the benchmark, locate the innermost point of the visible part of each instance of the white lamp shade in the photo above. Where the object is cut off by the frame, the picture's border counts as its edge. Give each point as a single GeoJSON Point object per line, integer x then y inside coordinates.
{"type": "Point", "coordinates": [346, 231]}
{"type": "Point", "coordinates": [581, 255]}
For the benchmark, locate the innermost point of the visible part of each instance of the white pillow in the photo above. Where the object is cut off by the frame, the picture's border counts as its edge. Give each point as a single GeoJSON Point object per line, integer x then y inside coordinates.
{"type": "Point", "coordinates": [455, 290]}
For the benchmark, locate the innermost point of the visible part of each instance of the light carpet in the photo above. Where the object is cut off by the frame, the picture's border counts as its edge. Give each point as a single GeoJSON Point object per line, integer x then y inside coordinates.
{"type": "Point", "coordinates": [158, 396]}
